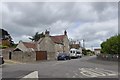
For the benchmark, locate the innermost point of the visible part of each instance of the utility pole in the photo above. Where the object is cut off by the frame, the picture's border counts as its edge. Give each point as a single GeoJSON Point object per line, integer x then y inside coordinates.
{"type": "Point", "coordinates": [83, 43]}
{"type": "Point", "coordinates": [92, 48]}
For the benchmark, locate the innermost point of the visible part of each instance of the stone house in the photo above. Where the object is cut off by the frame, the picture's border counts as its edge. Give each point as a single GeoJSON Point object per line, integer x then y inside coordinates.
{"type": "Point", "coordinates": [53, 44]}
{"type": "Point", "coordinates": [26, 46]}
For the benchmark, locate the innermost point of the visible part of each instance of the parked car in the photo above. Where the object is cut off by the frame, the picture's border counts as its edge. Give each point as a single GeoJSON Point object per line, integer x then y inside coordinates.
{"type": "Point", "coordinates": [63, 56]}
{"type": "Point", "coordinates": [1, 60]}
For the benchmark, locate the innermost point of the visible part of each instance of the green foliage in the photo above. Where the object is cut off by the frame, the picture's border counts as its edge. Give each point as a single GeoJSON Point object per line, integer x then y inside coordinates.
{"type": "Point", "coordinates": [37, 36]}
{"type": "Point", "coordinates": [84, 51]}
{"type": "Point", "coordinates": [14, 45]}
{"type": "Point", "coordinates": [3, 47]}
{"type": "Point", "coordinates": [87, 52]}
{"type": "Point", "coordinates": [111, 45]}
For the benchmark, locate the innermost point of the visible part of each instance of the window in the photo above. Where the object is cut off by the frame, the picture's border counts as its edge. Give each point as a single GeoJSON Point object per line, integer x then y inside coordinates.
{"type": "Point", "coordinates": [78, 52]}
{"type": "Point", "coordinates": [73, 51]}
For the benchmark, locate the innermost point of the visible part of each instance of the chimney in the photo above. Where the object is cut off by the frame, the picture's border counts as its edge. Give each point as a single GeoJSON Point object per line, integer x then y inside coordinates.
{"type": "Point", "coordinates": [65, 32]}
{"type": "Point", "coordinates": [47, 33]}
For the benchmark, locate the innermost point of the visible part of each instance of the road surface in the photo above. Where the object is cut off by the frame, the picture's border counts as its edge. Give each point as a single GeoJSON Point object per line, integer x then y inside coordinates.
{"type": "Point", "coordinates": [85, 67]}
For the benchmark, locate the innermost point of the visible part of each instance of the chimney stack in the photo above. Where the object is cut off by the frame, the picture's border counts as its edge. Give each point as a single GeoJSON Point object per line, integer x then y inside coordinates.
{"type": "Point", "coordinates": [47, 33]}
{"type": "Point", "coordinates": [65, 32]}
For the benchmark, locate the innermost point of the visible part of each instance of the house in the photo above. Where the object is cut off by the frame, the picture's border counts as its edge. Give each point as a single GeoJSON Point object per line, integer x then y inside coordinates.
{"type": "Point", "coordinates": [26, 46]}
{"type": "Point", "coordinates": [53, 44]}
{"type": "Point", "coordinates": [97, 51]}
{"type": "Point", "coordinates": [76, 45]}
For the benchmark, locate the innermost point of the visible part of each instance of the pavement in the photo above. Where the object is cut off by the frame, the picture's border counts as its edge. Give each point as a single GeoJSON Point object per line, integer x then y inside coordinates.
{"type": "Point", "coordinates": [12, 62]}
{"type": "Point", "coordinates": [85, 67]}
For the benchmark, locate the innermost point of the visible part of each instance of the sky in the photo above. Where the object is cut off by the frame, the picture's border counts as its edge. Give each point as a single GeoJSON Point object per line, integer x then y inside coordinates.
{"type": "Point", "coordinates": [92, 21]}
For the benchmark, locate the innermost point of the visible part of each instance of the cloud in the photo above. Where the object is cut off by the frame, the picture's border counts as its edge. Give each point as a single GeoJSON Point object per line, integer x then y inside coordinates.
{"type": "Point", "coordinates": [92, 21]}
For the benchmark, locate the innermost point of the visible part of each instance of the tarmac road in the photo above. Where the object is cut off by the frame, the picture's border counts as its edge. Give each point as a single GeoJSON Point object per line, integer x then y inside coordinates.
{"type": "Point", "coordinates": [85, 67]}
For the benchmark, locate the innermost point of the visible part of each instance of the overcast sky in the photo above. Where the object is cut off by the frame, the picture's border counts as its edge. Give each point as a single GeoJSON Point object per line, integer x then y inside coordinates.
{"type": "Point", "coordinates": [92, 21]}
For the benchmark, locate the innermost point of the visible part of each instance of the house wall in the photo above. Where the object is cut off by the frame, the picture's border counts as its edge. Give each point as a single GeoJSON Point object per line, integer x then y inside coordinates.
{"type": "Point", "coordinates": [97, 51]}
{"type": "Point", "coordinates": [22, 47]}
{"type": "Point", "coordinates": [66, 44]}
{"type": "Point", "coordinates": [58, 48]}
{"type": "Point", "coordinates": [47, 45]}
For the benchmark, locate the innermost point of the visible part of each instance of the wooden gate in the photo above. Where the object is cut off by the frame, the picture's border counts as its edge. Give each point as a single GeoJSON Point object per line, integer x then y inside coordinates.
{"type": "Point", "coordinates": [41, 55]}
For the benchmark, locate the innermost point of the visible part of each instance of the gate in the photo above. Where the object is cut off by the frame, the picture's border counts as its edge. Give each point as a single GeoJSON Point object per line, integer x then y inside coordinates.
{"type": "Point", "coordinates": [41, 55]}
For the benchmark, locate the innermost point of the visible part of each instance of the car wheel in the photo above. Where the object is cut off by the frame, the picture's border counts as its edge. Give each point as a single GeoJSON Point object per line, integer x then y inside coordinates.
{"type": "Point", "coordinates": [65, 59]}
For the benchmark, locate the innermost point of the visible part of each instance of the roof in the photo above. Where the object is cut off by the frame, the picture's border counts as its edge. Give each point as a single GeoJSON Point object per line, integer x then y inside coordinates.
{"type": "Point", "coordinates": [76, 46]}
{"type": "Point", "coordinates": [58, 39]}
{"type": "Point", "coordinates": [9, 49]}
{"type": "Point", "coordinates": [97, 49]}
{"type": "Point", "coordinates": [30, 44]}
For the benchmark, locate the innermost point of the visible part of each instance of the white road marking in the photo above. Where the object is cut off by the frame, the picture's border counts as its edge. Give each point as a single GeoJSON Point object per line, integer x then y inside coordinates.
{"type": "Point", "coordinates": [107, 72]}
{"type": "Point", "coordinates": [32, 75]}
{"type": "Point", "coordinates": [88, 74]}
{"type": "Point", "coordinates": [96, 72]}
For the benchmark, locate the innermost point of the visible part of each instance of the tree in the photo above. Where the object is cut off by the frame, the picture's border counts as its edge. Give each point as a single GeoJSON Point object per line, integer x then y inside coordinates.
{"type": "Point", "coordinates": [6, 38]}
{"type": "Point", "coordinates": [111, 45]}
{"type": "Point", "coordinates": [37, 36]}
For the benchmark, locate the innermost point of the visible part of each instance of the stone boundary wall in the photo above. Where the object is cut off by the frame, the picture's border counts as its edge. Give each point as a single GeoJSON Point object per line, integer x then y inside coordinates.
{"type": "Point", "coordinates": [20, 56]}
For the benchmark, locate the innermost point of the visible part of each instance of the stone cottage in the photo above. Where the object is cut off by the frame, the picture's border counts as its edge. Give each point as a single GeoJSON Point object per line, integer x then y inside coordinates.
{"type": "Point", "coordinates": [53, 44]}
{"type": "Point", "coordinates": [26, 46]}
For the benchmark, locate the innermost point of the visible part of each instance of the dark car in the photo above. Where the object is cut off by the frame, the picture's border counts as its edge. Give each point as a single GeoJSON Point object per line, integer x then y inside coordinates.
{"type": "Point", "coordinates": [63, 56]}
{"type": "Point", "coordinates": [1, 60]}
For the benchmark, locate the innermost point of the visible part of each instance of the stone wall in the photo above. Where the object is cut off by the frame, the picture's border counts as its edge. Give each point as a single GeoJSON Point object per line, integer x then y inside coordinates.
{"type": "Point", "coordinates": [20, 56]}
{"type": "Point", "coordinates": [5, 54]}
{"type": "Point", "coordinates": [66, 45]}
{"type": "Point", "coordinates": [51, 55]}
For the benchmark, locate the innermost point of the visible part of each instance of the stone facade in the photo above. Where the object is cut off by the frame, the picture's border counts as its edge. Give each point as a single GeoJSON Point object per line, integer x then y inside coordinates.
{"type": "Point", "coordinates": [26, 46]}
{"type": "Point", "coordinates": [19, 56]}
{"type": "Point", "coordinates": [22, 47]}
{"type": "Point", "coordinates": [53, 44]}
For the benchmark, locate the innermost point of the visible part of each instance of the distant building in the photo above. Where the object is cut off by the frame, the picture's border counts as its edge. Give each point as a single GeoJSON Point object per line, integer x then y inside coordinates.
{"type": "Point", "coordinates": [97, 51]}
{"type": "Point", "coordinates": [76, 45]}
